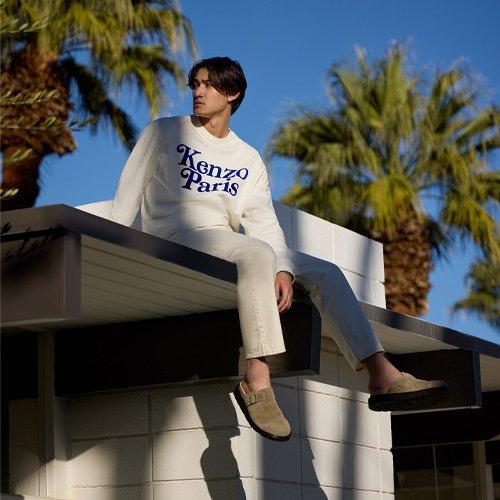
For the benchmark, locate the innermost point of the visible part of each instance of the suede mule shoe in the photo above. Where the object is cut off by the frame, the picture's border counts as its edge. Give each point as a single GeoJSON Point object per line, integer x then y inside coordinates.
{"type": "Point", "coordinates": [263, 413]}
{"type": "Point", "coordinates": [409, 393]}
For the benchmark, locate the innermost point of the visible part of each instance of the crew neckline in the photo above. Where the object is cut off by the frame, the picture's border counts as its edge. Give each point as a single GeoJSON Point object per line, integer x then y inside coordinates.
{"type": "Point", "coordinates": [195, 121]}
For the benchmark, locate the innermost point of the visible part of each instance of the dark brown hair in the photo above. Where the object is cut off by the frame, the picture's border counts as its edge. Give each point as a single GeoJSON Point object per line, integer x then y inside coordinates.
{"type": "Point", "coordinates": [226, 76]}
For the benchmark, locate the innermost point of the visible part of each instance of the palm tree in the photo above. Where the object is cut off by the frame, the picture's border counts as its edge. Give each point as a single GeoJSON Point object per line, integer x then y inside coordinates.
{"type": "Point", "coordinates": [128, 41]}
{"type": "Point", "coordinates": [9, 98]}
{"type": "Point", "coordinates": [384, 148]}
{"type": "Point", "coordinates": [483, 287]}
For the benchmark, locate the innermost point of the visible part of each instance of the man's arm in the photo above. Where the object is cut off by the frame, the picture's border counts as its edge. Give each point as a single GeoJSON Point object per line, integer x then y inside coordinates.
{"type": "Point", "coordinates": [259, 221]}
{"type": "Point", "coordinates": [135, 176]}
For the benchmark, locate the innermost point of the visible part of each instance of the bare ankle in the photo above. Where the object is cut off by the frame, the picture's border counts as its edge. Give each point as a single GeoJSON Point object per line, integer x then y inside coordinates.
{"type": "Point", "coordinates": [257, 376]}
{"type": "Point", "coordinates": [256, 385]}
{"type": "Point", "coordinates": [381, 372]}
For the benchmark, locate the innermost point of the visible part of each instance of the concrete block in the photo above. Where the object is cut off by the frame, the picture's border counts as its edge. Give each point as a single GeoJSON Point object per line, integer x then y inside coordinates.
{"type": "Point", "coordinates": [312, 235]}
{"type": "Point", "coordinates": [123, 493]}
{"type": "Point", "coordinates": [23, 450]}
{"type": "Point", "coordinates": [361, 495]}
{"type": "Point", "coordinates": [322, 462]}
{"type": "Point", "coordinates": [387, 471]}
{"type": "Point", "coordinates": [284, 215]}
{"type": "Point", "coordinates": [245, 488]}
{"type": "Point", "coordinates": [199, 489]}
{"type": "Point", "coordinates": [258, 489]}
{"type": "Point", "coordinates": [277, 460]}
{"type": "Point", "coordinates": [320, 416]}
{"type": "Point", "coordinates": [288, 400]}
{"type": "Point", "coordinates": [359, 423]}
{"type": "Point", "coordinates": [23, 422]}
{"type": "Point", "coordinates": [106, 415]}
{"type": "Point", "coordinates": [195, 406]}
{"type": "Point", "coordinates": [384, 430]}
{"type": "Point", "coordinates": [353, 384]}
{"type": "Point", "coordinates": [288, 381]}
{"type": "Point", "coordinates": [265, 490]}
{"type": "Point", "coordinates": [378, 293]}
{"type": "Point", "coordinates": [360, 285]}
{"type": "Point", "coordinates": [100, 208]}
{"type": "Point", "coordinates": [244, 446]}
{"type": "Point", "coordinates": [328, 345]}
{"type": "Point", "coordinates": [352, 251]}
{"type": "Point", "coordinates": [327, 382]}
{"type": "Point", "coordinates": [61, 466]}
{"type": "Point", "coordinates": [117, 462]}
{"type": "Point", "coordinates": [321, 493]}
{"type": "Point", "coordinates": [377, 260]}
{"type": "Point", "coordinates": [199, 454]}
{"type": "Point", "coordinates": [24, 464]}
{"type": "Point", "coordinates": [361, 467]}
{"type": "Point", "coordinates": [387, 496]}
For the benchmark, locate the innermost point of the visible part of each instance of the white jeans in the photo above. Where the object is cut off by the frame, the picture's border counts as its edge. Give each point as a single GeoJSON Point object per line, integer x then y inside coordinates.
{"type": "Point", "coordinates": [342, 318]}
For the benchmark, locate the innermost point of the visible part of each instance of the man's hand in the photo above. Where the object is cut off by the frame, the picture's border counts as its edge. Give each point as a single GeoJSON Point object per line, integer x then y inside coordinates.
{"type": "Point", "coordinates": [284, 291]}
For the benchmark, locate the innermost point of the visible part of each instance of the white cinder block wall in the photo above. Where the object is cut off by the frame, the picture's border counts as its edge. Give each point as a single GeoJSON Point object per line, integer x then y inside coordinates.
{"type": "Point", "coordinates": [192, 441]}
{"type": "Point", "coordinates": [360, 259]}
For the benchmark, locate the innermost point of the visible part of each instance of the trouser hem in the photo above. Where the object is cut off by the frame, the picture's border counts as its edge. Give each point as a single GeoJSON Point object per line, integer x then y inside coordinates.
{"type": "Point", "coordinates": [358, 366]}
{"type": "Point", "coordinates": [265, 352]}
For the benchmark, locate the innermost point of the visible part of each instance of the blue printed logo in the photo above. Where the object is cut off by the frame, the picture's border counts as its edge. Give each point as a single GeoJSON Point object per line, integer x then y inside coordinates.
{"type": "Point", "coordinates": [195, 170]}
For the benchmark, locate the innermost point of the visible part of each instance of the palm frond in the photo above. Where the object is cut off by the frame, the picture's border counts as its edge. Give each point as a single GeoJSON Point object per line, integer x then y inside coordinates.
{"type": "Point", "coordinates": [389, 140]}
{"type": "Point", "coordinates": [483, 292]}
{"type": "Point", "coordinates": [94, 100]}
{"type": "Point", "coordinates": [470, 219]}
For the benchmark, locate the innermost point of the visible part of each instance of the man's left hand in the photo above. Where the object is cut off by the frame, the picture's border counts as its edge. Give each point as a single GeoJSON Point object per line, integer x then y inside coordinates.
{"type": "Point", "coordinates": [284, 291]}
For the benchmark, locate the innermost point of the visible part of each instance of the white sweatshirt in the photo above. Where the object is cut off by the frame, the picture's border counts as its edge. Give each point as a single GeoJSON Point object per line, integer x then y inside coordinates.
{"type": "Point", "coordinates": [181, 176]}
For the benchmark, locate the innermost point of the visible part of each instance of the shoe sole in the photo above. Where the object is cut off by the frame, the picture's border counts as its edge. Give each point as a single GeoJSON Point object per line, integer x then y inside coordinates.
{"type": "Point", "coordinates": [416, 400]}
{"type": "Point", "coordinates": [255, 427]}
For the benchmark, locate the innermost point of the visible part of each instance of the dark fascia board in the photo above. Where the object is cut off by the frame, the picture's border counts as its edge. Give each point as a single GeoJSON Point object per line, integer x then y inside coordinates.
{"type": "Point", "coordinates": [17, 224]}
{"type": "Point", "coordinates": [417, 326]}
{"type": "Point", "coordinates": [448, 426]}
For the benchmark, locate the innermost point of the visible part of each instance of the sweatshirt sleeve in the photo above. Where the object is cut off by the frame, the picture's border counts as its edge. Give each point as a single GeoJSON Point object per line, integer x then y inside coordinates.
{"type": "Point", "coordinates": [259, 221]}
{"type": "Point", "coordinates": [135, 176]}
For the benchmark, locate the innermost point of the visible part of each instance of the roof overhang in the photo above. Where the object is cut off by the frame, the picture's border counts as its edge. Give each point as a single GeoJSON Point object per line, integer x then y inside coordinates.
{"type": "Point", "coordinates": [66, 268]}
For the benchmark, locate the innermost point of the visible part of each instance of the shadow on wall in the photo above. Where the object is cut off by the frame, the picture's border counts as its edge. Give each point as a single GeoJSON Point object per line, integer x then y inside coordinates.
{"type": "Point", "coordinates": [199, 445]}
{"type": "Point", "coordinates": [205, 421]}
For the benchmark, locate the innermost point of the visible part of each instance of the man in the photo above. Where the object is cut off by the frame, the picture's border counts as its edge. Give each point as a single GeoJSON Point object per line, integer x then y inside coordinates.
{"type": "Point", "coordinates": [195, 181]}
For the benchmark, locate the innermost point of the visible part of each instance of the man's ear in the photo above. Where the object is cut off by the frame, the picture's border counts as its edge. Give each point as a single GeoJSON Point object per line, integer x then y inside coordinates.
{"type": "Point", "coordinates": [232, 97]}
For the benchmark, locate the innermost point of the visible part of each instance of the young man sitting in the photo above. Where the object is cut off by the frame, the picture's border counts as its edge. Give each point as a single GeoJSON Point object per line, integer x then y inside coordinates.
{"type": "Point", "coordinates": [195, 181]}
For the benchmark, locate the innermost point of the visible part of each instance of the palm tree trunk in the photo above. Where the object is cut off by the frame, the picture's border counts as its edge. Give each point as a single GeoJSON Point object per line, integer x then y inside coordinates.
{"type": "Point", "coordinates": [22, 175]}
{"type": "Point", "coordinates": [407, 264]}
{"type": "Point", "coordinates": [29, 72]}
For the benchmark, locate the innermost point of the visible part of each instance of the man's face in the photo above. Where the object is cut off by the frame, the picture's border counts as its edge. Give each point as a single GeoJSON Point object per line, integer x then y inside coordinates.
{"type": "Point", "coordinates": [207, 100]}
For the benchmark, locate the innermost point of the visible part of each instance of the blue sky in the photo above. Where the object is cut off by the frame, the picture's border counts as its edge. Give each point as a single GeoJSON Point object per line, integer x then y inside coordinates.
{"type": "Point", "coordinates": [286, 49]}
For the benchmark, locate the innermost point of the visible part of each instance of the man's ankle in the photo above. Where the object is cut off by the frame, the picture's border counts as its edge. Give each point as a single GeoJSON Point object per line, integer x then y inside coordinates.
{"type": "Point", "coordinates": [256, 385]}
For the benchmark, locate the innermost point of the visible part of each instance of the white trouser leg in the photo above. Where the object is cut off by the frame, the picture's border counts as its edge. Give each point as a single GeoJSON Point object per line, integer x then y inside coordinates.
{"type": "Point", "coordinates": [342, 318]}
{"type": "Point", "coordinates": [256, 264]}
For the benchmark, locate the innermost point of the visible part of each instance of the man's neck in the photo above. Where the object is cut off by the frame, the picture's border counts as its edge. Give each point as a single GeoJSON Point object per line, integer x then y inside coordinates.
{"type": "Point", "coordinates": [218, 126]}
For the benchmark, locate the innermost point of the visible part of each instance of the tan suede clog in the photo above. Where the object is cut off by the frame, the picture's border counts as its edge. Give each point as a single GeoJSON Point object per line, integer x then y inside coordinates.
{"type": "Point", "coordinates": [263, 413]}
{"type": "Point", "coordinates": [409, 393]}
